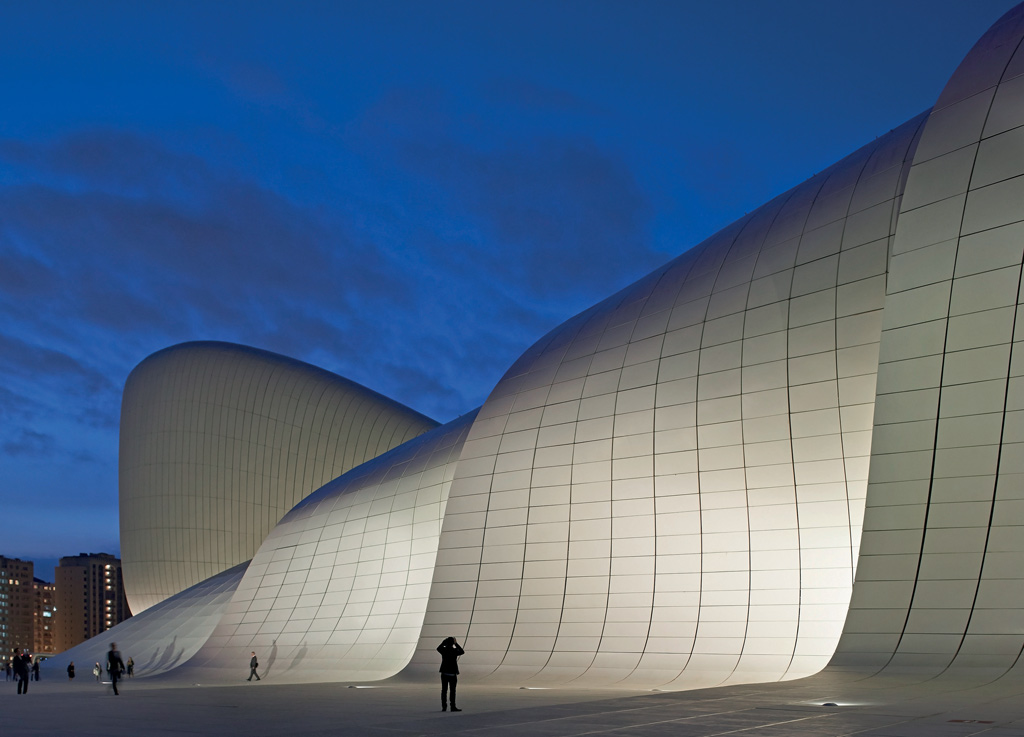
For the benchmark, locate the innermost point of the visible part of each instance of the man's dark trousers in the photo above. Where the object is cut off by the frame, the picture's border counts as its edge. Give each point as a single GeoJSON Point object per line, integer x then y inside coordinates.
{"type": "Point", "coordinates": [448, 681]}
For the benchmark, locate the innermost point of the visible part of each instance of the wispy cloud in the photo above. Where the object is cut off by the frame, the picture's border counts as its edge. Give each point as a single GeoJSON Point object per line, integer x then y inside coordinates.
{"type": "Point", "coordinates": [555, 216]}
{"type": "Point", "coordinates": [462, 250]}
{"type": "Point", "coordinates": [119, 246]}
{"type": "Point", "coordinates": [19, 358]}
{"type": "Point", "coordinates": [29, 442]}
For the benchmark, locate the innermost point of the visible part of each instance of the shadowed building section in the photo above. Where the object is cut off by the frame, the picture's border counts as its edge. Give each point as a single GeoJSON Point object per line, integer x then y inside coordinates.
{"type": "Point", "coordinates": [218, 442]}
{"type": "Point", "coordinates": [162, 637]}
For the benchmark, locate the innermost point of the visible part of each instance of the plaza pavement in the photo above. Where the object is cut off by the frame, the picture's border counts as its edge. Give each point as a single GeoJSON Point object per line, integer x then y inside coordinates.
{"type": "Point", "coordinates": [877, 707]}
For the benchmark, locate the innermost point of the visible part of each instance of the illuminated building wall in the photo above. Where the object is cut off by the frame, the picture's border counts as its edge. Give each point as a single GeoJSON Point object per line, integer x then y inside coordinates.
{"type": "Point", "coordinates": [665, 491]}
{"type": "Point", "coordinates": [797, 444]}
{"type": "Point", "coordinates": [219, 441]}
{"type": "Point", "coordinates": [165, 635]}
{"type": "Point", "coordinates": [939, 584]}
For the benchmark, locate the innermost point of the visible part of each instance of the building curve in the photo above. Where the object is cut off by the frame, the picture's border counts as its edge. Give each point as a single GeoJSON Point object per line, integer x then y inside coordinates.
{"type": "Point", "coordinates": [667, 490]}
{"type": "Point", "coordinates": [218, 442]}
{"type": "Point", "coordinates": [164, 636]}
{"type": "Point", "coordinates": [796, 446]}
{"type": "Point", "coordinates": [340, 587]}
{"type": "Point", "coordinates": [939, 586]}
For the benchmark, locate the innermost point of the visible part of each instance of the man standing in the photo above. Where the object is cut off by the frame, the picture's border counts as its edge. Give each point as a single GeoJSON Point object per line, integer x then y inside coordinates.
{"type": "Point", "coordinates": [115, 665]}
{"type": "Point", "coordinates": [20, 663]}
{"type": "Point", "coordinates": [450, 651]}
{"type": "Point", "coordinates": [253, 665]}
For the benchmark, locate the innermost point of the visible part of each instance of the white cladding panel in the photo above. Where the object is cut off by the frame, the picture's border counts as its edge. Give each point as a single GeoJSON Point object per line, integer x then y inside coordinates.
{"type": "Point", "coordinates": [218, 442]}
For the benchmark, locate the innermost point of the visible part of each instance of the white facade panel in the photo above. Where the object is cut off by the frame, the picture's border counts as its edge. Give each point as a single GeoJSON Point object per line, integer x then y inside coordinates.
{"type": "Point", "coordinates": [218, 442]}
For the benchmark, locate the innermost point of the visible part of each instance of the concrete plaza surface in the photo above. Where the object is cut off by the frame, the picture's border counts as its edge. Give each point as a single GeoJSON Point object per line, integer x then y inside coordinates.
{"type": "Point", "coordinates": [880, 706]}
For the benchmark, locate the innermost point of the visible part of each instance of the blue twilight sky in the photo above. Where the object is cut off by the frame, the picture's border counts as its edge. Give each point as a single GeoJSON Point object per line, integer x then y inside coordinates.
{"type": "Point", "coordinates": [406, 193]}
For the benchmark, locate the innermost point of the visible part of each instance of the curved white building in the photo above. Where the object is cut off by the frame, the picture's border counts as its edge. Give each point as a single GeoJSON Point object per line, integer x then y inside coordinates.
{"type": "Point", "coordinates": [218, 442]}
{"type": "Point", "coordinates": [164, 636]}
{"type": "Point", "coordinates": [798, 443]}
{"type": "Point", "coordinates": [666, 491]}
{"type": "Point", "coordinates": [342, 584]}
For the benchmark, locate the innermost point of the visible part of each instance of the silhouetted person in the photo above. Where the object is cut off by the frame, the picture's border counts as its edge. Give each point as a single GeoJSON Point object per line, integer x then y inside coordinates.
{"type": "Point", "coordinates": [115, 665]}
{"type": "Point", "coordinates": [8, 672]}
{"type": "Point", "coordinates": [131, 668]}
{"type": "Point", "coordinates": [450, 651]}
{"type": "Point", "coordinates": [253, 665]}
{"type": "Point", "coordinates": [35, 670]}
{"type": "Point", "coordinates": [71, 671]}
{"type": "Point", "coordinates": [20, 663]}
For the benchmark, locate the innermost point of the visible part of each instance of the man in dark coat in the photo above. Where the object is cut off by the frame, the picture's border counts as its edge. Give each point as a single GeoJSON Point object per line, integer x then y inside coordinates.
{"type": "Point", "coordinates": [115, 665]}
{"type": "Point", "coordinates": [21, 666]}
{"type": "Point", "coordinates": [253, 665]}
{"type": "Point", "coordinates": [450, 651]}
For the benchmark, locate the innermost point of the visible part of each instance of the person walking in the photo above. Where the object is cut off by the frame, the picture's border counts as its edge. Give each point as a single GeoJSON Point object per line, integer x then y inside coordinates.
{"type": "Point", "coordinates": [8, 672]}
{"type": "Point", "coordinates": [20, 663]}
{"type": "Point", "coordinates": [96, 671]}
{"type": "Point", "coordinates": [253, 665]}
{"type": "Point", "coordinates": [115, 665]}
{"type": "Point", "coordinates": [450, 651]}
{"type": "Point", "coordinates": [71, 671]}
{"type": "Point", "coordinates": [131, 668]}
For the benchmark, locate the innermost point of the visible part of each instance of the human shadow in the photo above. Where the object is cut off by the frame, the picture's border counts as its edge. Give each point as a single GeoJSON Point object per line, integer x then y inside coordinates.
{"type": "Point", "coordinates": [299, 656]}
{"type": "Point", "coordinates": [167, 659]}
{"type": "Point", "coordinates": [270, 659]}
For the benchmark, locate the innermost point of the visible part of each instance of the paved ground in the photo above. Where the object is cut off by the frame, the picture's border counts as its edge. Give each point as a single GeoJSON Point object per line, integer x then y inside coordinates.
{"type": "Point", "coordinates": [875, 707]}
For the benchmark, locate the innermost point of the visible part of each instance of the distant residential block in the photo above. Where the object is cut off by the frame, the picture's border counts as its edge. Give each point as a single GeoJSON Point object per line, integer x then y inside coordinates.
{"type": "Point", "coordinates": [17, 604]}
{"type": "Point", "coordinates": [89, 598]}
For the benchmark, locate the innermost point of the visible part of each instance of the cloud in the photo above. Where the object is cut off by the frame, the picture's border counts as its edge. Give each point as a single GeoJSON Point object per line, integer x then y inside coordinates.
{"type": "Point", "coordinates": [256, 81]}
{"type": "Point", "coordinates": [467, 245]}
{"type": "Point", "coordinates": [261, 86]}
{"type": "Point", "coordinates": [49, 393]}
{"type": "Point", "coordinates": [564, 210]}
{"type": "Point", "coordinates": [14, 407]}
{"type": "Point", "coordinates": [110, 266]}
{"type": "Point", "coordinates": [420, 381]}
{"type": "Point", "coordinates": [23, 275]}
{"type": "Point", "coordinates": [530, 95]}
{"type": "Point", "coordinates": [29, 442]}
{"type": "Point", "coordinates": [190, 246]}
{"type": "Point", "coordinates": [555, 215]}
{"type": "Point", "coordinates": [19, 358]}
{"type": "Point", "coordinates": [107, 160]}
